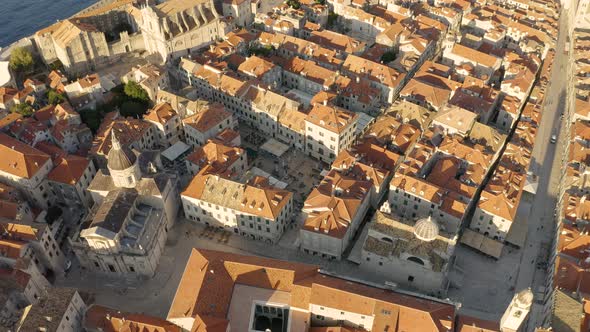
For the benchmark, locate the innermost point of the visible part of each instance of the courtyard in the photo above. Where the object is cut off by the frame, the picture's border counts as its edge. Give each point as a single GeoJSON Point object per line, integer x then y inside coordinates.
{"type": "Point", "coordinates": [299, 171]}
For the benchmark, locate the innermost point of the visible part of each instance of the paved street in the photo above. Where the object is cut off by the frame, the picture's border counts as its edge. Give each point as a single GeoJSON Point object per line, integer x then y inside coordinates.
{"type": "Point", "coordinates": [559, 100]}
{"type": "Point", "coordinates": [477, 275]}
{"type": "Point", "coordinates": [154, 296]}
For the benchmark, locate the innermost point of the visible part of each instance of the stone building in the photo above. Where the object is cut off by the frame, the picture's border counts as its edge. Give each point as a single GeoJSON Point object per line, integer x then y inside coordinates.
{"type": "Point", "coordinates": [60, 310]}
{"type": "Point", "coordinates": [25, 168]}
{"type": "Point", "coordinates": [175, 28]}
{"type": "Point", "coordinates": [207, 121]}
{"type": "Point", "coordinates": [239, 10]}
{"type": "Point", "coordinates": [247, 293]}
{"type": "Point", "coordinates": [42, 236]}
{"type": "Point", "coordinates": [167, 124]}
{"type": "Point", "coordinates": [255, 210]}
{"type": "Point", "coordinates": [334, 211]}
{"type": "Point", "coordinates": [101, 319]}
{"type": "Point", "coordinates": [150, 77]}
{"type": "Point", "coordinates": [70, 178]}
{"type": "Point", "coordinates": [329, 130]}
{"type": "Point", "coordinates": [232, 161]}
{"type": "Point", "coordinates": [415, 255]}
{"type": "Point", "coordinates": [80, 47]}
{"type": "Point", "coordinates": [135, 206]}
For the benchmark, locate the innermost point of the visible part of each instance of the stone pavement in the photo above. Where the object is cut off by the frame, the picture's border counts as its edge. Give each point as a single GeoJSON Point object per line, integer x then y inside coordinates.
{"type": "Point", "coordinates": [153, 296]}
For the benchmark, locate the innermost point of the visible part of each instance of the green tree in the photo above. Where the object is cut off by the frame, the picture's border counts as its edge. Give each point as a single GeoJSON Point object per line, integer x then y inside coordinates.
{"type": "Point", "coordinates": [387, 57]}
{"type": "Point", "coordinates": [264, 50]}
{"type": "Point", "coordinates": [56, 65]}
{"type": "Point", "coordinates": [135, 91]}
{"type": "Point", "coordinates": [132, 108]}
{"type": "Point", "coordinates": [294, 4]}
{"type": "Point", "coordinates": [54, 98]}
{"type": "Point", "coordinates": [92, 118]}
{"type": "Point", "coordinates": [21, 59]}
{"type": "Point", "coordinates": [332, 19]}
{"type": "Point", "coordinates": [24, 109]}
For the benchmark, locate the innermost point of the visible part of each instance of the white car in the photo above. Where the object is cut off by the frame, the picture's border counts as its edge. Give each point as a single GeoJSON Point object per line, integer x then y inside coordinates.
{"type": "Point", "coordinates": [553, 139]}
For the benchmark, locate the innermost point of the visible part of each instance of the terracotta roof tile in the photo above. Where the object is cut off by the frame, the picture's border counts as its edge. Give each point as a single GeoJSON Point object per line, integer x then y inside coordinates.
{"type": "Point", "coordinates": [20, 159]}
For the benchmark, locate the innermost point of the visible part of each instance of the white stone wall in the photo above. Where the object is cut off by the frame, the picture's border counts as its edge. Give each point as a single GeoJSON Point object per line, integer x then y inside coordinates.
{"type": "Point", "coordinates": [411, 205]}
{"type": "Point", "coordinates": [197, 138]}
{"type": "Point", "coordinates": [326, 316]}
{"type": "Point", "coordinates": [242, 13]}
{"type": "Point", "coordinates": [71, 320]}
{"type": "Point", "coordinates": [170, 132]}
{"type": "Point", "coordinates": [325, 145]}
{"type": "Point", "coordinates": [152, 29]}
{"type": "Point", "coordinates": [505, 120]}
{"type": "Point", "coordinates": [490, 225]}
{"type": "Point", "coordinates": [321, 244]}
{"type": "Point", "coordinates": [35, 188]}
{"type": "Point", "coordinates": [251, 226]}
{"type": "Point", "coordinates": [316, 243]}
{"type": "Point", "coordinates": [300, 82]}
{"type": "Point", "coordinates": [293, 138]}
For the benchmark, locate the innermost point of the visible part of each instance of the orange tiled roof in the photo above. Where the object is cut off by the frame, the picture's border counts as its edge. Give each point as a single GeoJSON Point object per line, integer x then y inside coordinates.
{"type": "Point", "coordinates": [161, 113]}
{"type": "Point", "coordinates": [205, 292]}
{"type": "Point", "coordinates": [332, 118]}
{"type": "Point", "coordinates": [106, 319]}
{"type": "Point", "coordinates": [259, 200]}
{"type": "Point", "coordinates": [20, 159]}
{"type": "Point", "coordinates": [207, 117]}
{"type": "Point", "coordinates": [217, 155]}
{"type": "Point", "coordinates": [69, 170]}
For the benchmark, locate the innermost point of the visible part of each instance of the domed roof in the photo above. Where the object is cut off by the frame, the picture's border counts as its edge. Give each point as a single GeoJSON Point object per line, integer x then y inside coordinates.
{"type": "Point", "coordinates": [120, 158]}
{"type": "Point", "coordinates": [524, 298]}
{"type": "Point", "coordinates": [426, 229]}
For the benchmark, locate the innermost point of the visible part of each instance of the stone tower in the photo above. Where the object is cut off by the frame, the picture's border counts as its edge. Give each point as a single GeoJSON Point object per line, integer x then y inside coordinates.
{"type": "Point", "coordinates": [122, 164]}
{"type": "Point", "coordinates": [517, 312]}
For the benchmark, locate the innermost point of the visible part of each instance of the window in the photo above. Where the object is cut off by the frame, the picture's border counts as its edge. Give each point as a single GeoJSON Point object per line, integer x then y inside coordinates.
{"type": "Point", "coordinates": [411, 278]}
{"type": "Point", "coordinates": [132, 269]}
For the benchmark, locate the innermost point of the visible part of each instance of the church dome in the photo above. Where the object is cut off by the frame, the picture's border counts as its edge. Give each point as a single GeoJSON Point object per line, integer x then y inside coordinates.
{"type": "Point", "coordinates": [524, 298]}
{"type": "Point", "coordinates": [426, 229]}
{"type": "Point", "coordinates": [120, 158]}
